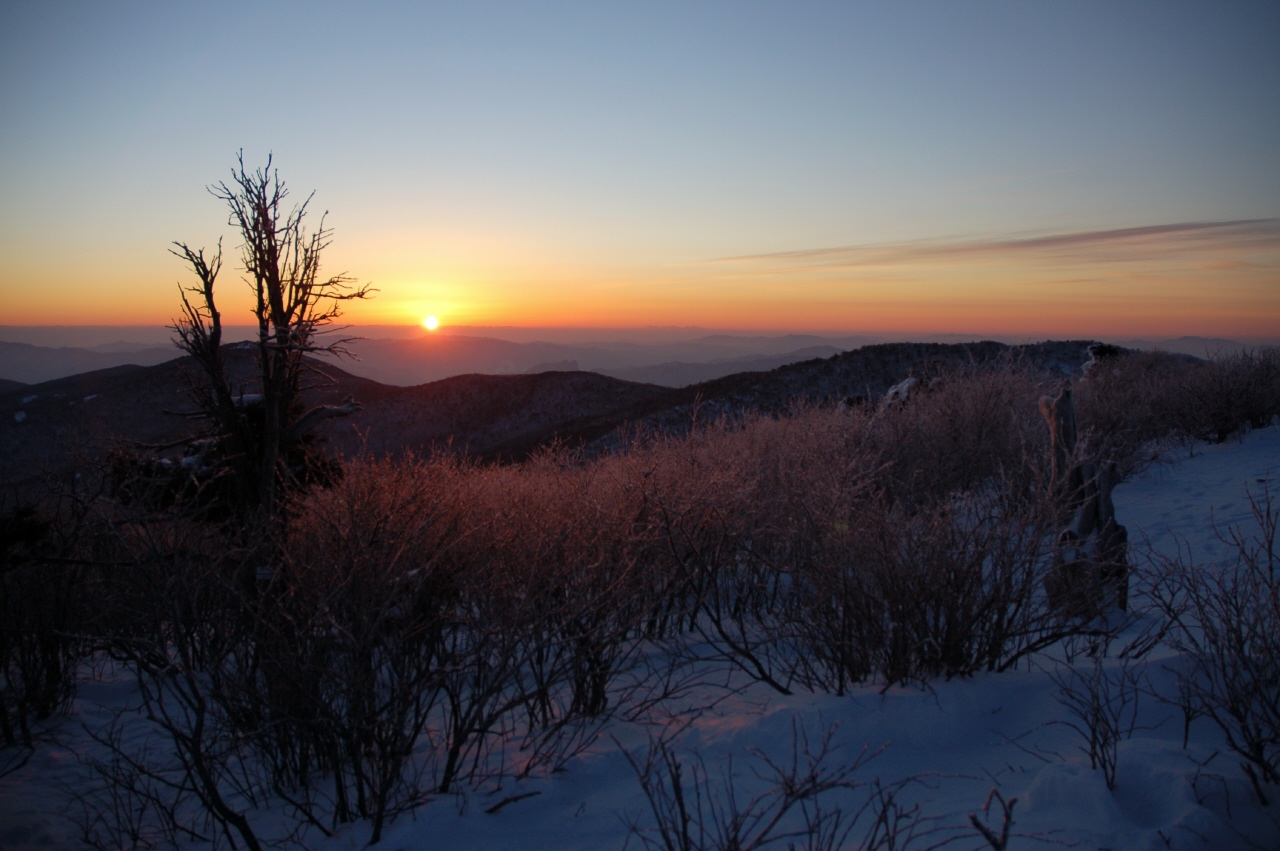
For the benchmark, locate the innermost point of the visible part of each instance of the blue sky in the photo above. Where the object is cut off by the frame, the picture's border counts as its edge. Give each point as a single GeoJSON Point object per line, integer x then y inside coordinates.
{"type": "Point", "coordinates": [588, 163]}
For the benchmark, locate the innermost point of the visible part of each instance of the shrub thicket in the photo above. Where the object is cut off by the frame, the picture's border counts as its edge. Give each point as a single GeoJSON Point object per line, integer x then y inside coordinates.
{"type": "Point", "coordinates": [1138, 402]}
{"type": "Point", "coordinates": [1226, 622]}
{"type": "Point", "coordinates": [426, 626]}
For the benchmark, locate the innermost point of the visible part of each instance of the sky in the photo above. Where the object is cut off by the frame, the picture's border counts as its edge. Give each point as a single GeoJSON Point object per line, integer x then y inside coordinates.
{"type": "Point", "coordinates": [1061, 169]}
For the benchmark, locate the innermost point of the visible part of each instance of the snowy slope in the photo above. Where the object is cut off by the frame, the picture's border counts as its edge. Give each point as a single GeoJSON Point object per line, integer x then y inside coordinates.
{"type": "Point", "coordinates": [953, 742]}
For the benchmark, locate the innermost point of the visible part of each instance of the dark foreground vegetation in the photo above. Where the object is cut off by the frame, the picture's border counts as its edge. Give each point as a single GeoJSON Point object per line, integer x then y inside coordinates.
{"type": "Point", "coordinates": [414, 627]}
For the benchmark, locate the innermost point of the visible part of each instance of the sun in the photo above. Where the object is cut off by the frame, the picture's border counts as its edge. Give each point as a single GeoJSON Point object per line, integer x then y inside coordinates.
{"type": "Point", "coordinates": [431, 323]}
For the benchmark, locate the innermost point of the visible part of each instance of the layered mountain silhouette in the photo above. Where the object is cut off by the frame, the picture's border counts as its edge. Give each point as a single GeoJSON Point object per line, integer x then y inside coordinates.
{"type": "Point", "coordinates": [29, 364]}
{"type": "Point", "coordinates": [408, 361]}
{"type": "Point", "coordinates": [418, 359]}
{"type": "Point", "coordinates": [51, 428]}
{"type": "Point", "coordinates": [432, 357]}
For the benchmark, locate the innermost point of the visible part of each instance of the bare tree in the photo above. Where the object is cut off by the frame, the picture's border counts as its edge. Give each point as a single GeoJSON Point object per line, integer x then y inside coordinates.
{"type": "Point", "coordinates": [257, 431]}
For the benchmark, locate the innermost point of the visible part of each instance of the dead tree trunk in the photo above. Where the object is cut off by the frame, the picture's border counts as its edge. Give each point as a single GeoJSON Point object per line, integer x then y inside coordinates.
{"type": "Point", "coordinates": [1060, 413]}
{"type": "Point", "coordinates": [293, 306]}
{"type": "Point", "coordinates": [1090, 560]}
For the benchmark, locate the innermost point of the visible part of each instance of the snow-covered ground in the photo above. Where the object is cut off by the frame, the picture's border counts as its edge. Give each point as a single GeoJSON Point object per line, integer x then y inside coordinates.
{"type": "Point", "coordinates": [954, 742]}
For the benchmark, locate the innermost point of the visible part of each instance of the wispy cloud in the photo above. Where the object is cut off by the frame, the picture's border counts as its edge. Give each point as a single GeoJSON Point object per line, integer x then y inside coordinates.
{"type": "Point", "coordinates": [1231, 266]}
{"type": "Point", "coordinates": [1079, 247]}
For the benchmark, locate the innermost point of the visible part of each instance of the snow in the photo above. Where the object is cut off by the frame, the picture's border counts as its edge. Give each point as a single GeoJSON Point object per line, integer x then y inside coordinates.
{"type": "Point", "coordinates": [900, 392]}
{"type": "Point", "coordinates": [955, 740]}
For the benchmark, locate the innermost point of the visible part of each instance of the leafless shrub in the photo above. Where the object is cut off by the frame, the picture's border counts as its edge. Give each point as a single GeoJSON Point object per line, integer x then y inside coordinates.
{"type": "Point", "coordinates": [1104, 706]}
{"type": "Point", "coordinates": [800, 548]}
{"type": "Point", "coordinates": [185, 647]}
{"type": "Point", "coordinates": [947, 560]}
{"type": "Point", "coordinates": [546, 621]}
{"type": "Point", "coordinates": [481, 611]}
{"type": "Point", "coordinates": [947, 591]}
{"type": "Point", "coordinates": [998, 841]}
{"type": "Point", "coordinates": [695, 807]}
{"type": "Point", "coordinates": [1134, 406]}
{"type": "Point", "coordinates": [973, 426]}
{"type": "Point", "coordinates": [47, 602]}
{"type": "Point", "coordinates": [268, 673]}
{"type": "Point", "coordinates": [128, 801]}
{"type": "Point", "coordinates": [1226, 622]}
{"type": "Point", "coordinates": [1231, 393]}
{"type": "Point", "coordinates": [37, 659]}
{"type": "Point", "coordinates": [349, 640]}
{"type": "Point", "coordinates": [714, 496]}
{"type": "Point", "coordinates": [825, 548]}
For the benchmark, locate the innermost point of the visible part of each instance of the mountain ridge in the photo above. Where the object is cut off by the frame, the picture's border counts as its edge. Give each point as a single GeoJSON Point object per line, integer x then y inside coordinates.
{"type": "Point", "coordinates": [52, 426]}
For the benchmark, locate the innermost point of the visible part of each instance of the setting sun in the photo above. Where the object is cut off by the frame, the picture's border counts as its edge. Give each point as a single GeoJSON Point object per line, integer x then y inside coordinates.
{"type": "Point", "coordinates": [431, 323]}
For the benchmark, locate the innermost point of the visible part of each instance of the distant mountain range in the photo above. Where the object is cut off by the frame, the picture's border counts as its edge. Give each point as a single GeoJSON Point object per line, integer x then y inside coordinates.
{"type": "Point", "coordinates": [28, 364]}
{"type": "Point", "coordinates": [682, 374]}
{"type": "Point", "coordinates": [50, 427]}
{"type": "Point", "coordinates": [1201, 347]}
{"type": "Point", "coordinates": [431, 357]}
{"type": "Point", "coordinates": [411, 360]}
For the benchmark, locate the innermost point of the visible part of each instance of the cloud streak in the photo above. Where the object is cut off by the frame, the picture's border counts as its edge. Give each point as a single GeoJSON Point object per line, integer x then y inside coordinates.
{"type": "Point", "coordinates": [1080, 247]}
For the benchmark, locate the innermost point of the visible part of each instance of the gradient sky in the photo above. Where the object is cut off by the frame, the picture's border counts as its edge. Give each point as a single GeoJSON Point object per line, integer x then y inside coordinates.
{"type": "Point", "coordinates": [1075, 168]}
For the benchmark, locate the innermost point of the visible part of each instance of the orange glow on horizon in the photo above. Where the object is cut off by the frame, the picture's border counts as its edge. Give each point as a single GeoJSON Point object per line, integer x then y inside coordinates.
{"type": "Point", "coordinates": [1206, 279]}
{"type": "Point", "coordinates": [1214, 279]}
